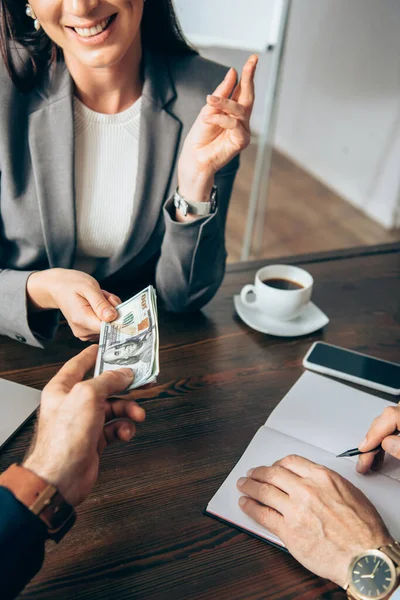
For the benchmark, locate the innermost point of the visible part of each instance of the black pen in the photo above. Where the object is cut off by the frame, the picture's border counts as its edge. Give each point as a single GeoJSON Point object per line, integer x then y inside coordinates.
{"type": "Point", "coordinates": [356, 452]}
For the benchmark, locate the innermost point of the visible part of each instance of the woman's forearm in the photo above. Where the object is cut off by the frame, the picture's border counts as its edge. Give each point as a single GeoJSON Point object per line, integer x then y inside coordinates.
{"type": "Point", "coordinates": [38, 291]}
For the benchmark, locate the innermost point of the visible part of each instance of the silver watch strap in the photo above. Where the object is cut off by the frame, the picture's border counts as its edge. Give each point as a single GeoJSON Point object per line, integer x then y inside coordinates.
{"type": "Point", "coordinates": [200, 209]}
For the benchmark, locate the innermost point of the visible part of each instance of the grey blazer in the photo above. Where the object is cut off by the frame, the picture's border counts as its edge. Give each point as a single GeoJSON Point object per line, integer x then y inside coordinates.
{"type": "Point", "coordinates": [37, 203]}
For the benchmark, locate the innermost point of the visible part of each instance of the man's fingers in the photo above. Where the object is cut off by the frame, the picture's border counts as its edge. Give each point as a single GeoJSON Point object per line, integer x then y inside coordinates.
{"type": "Point", "coordinates": [276, 475]}
{"type": "Point", "coordinates": [119, 409]}
{"type": "Point", "coordinates": [302, 467]}
{"type": "Point", "coordinates": [104, 310]}
{"type": "Point", "coordinates": [365, 461]}
{"type": "Point", "coordinates": [244, 91]}
{"type": "Point", "coordinates": [384, 425]}
{"type": "Point", "coordinates": [378, 460]}
{"type": "Point", "coordinates": [391, 445]}
{"type": "Point", "coordinates": [380, 433]}
{"type": "Point", "coordinates": [265, 516]}
{"type": "Point", "coordinates": [108, 383]}
{"type": "Point", "coordinates": [121, 430]}
{"type": "Point", "coordinates": [264, 493]}
{"type": "Point", "coordinates": [226, 86]}
{"type": "Point", "coordinates": [75, 369]}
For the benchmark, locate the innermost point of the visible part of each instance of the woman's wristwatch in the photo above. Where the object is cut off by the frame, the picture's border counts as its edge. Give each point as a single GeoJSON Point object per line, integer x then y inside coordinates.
{"type": "Point", "coordinates": [41, 498]}
{"type": "Point", "coordinates": [374, 574]}
{"type": "Point", "coordinates": [200, 209]}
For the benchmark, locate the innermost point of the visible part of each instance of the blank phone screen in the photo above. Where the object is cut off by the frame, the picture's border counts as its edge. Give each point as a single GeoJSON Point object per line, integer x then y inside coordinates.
{"type": "Point", "coordinates": [364, 367]}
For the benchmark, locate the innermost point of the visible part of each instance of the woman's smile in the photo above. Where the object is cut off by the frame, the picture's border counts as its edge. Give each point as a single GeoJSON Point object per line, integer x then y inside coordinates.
{"type": "Point", "coordinates": [95, 32]}
{"type": "Point", "coordinates": [92, 33]}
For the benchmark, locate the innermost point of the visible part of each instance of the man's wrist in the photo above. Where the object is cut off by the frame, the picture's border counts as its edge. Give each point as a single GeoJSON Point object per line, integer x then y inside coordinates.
{"type": "Point", "coordinates": [51, 474]}
{"type": "Point", "coordinates": [41, 498]}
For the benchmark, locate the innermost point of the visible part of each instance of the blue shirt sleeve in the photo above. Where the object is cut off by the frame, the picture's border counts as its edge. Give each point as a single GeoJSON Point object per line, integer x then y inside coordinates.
{"type": "Point", "coordinates": [396, 594]}
{"type": "Point", "coordinates": [22, 543]}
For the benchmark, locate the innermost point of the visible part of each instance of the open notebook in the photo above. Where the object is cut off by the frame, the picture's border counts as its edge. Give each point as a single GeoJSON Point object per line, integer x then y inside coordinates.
{"type": "Point", "coordinates": [318, 419]}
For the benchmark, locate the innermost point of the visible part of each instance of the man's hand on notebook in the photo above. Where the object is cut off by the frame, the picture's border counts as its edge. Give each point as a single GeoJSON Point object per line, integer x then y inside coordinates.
{"type": "Point", "coordinates": [384, 430]}
{"type": "Point", "coordinates": [322, 518]}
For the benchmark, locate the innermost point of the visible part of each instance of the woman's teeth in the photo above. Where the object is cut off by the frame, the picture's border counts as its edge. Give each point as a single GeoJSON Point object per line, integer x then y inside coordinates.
{"type": "Point", "coordinates": [88, 32]}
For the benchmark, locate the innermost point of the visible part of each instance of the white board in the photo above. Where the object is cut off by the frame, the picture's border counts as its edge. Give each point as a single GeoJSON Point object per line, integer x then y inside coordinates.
{"type": "Point", "coordinates": [251, 25]}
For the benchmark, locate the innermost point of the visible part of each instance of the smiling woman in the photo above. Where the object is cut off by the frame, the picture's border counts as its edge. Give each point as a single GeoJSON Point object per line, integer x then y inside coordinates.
{"type": "Point", "coordinates": [160, 31]}
{"type": "Point", "coordinates": [95, 30]}
{"type": "Point", "coordinates": [116, 163]}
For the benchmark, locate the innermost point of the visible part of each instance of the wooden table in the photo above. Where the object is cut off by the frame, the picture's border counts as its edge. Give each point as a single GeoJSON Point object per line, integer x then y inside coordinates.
{"type": "Point", "coordinates": [141, 534]}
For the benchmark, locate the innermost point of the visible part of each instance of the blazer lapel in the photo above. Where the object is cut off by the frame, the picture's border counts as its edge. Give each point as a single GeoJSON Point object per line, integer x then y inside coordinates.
{"type": "Point", "coordinates": [51, 143]}
{"type": "Point", "coordinates": [158, 146]}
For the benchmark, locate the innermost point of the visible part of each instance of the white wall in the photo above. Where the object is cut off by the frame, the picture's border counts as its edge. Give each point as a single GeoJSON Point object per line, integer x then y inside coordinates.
{"type": "Point", "coordinates": [253, 25]}
{"type": "Point", "coordinates": [339, 108]}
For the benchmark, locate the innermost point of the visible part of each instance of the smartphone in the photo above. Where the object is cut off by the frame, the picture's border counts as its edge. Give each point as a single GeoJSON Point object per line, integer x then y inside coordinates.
{"type": "Point", "coordinates": [353, 366]}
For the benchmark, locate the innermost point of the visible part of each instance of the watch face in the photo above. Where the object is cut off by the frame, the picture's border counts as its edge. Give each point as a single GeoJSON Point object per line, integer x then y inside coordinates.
{"type": "Point", "coordinates": [373, 575]}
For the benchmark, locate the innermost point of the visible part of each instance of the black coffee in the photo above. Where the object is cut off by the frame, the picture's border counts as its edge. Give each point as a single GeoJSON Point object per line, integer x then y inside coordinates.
{"type": "Point", "coordinates": [283, 284]}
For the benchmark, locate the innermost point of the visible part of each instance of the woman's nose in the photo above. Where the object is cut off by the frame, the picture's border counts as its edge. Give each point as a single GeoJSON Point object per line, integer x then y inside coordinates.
{"type": "Point", "coordinates": [80, 8]}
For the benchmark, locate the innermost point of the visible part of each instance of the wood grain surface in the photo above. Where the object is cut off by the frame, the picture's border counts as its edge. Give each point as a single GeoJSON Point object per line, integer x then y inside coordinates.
{"type": "Point", "coordinates": [142, 534]}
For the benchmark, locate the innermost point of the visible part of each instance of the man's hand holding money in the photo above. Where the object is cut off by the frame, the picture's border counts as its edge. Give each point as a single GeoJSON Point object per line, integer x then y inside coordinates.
{"type": "Point", "coordinates": [77, 420]}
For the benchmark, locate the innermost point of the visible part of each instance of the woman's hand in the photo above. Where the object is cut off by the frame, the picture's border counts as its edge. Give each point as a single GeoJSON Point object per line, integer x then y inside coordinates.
{"type": "Point", "coordinates": [323, 519]}
{"type": "Point", "coordinates": [382, 431]}
{"type": "Point", "coordinates": [220, 132]}
{"type": "Point", "coordinates": [79, 297]}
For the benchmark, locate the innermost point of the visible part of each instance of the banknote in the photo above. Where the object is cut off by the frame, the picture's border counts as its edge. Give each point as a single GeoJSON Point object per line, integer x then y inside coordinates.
{"type": "Point", "coordinates": [132, 339]}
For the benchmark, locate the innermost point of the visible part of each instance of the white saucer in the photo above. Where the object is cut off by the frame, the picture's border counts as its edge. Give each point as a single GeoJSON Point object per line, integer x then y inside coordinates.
{"type": "Point", "coordinates": [310, 320]}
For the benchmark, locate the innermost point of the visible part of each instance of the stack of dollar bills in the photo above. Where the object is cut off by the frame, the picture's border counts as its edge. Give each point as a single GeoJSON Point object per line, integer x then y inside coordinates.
{"type": "Point", "coordinates": [132, 339]}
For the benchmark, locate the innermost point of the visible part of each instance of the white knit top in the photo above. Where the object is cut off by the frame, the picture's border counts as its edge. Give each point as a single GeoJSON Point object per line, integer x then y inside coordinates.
{"type": "Point", "coordinates": [106, 163]}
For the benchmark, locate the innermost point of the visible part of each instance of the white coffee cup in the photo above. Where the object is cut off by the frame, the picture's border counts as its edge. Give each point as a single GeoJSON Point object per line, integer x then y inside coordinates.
{"type": "Point", "coordinates": [280, 304]}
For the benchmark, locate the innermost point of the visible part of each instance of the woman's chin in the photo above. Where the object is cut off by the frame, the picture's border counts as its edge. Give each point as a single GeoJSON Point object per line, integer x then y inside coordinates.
{"type": "Point", "coordinates": [99, 58]}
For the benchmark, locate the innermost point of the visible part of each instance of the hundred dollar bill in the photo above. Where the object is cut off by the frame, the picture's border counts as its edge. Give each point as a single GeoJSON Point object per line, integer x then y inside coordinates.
{"type": "Point", "coordinates": [132, 339]}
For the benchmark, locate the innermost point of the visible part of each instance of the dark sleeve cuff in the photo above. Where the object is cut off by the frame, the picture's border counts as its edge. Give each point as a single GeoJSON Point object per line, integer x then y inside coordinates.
{"type": "Point", "coordinates": [209, 223]}
{"type": "Point", "coordinates": [44, 325]}
{"type": "Point", "coordinates": [22, 542]}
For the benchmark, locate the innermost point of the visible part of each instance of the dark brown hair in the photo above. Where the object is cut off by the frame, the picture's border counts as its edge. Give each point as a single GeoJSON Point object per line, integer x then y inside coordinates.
{"type": "Point", "coordinates": [160, 31]}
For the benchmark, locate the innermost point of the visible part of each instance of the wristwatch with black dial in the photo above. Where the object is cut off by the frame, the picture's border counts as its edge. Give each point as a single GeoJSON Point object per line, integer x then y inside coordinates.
{"type": "Point", "coordinates": [200, 209]}
{"type": "Point", "coordinates": [375, 574]}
